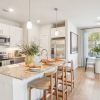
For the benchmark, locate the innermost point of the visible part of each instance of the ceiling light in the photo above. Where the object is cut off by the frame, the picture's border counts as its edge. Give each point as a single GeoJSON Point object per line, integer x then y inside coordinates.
{"type": "Point", "coordinates": [11, 10]}
{"type": "Point", "coordinates": [56, 32]}
{"type": "Point", "coordinates": [38, 21]}
{"type": "Point", "coordinates": [29, 23]}
{"type": "Point", "coordinates": [98, 17]}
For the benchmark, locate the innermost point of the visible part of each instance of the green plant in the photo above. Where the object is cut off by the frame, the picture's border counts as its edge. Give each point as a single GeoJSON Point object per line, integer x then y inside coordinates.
{"type": "Point", "coordinates": [29, 49]}
{"type": "Point", "coordinates": [96, 49]}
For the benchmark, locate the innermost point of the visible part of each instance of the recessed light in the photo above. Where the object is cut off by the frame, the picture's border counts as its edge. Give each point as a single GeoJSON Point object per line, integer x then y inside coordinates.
{"type": "Point", "coordinates": [11, 10]}
{"type": "Point", "coordinates": [98, 17]}
{"type": "Point", "coordinates": [38, 21]}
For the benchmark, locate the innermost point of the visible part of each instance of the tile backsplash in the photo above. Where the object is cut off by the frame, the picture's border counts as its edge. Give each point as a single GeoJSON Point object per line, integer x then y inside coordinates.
{"type": "Point", "coordinates": [8, 50]}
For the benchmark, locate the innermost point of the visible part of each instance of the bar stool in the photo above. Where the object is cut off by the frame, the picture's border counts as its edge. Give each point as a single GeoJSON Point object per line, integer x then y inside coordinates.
{"type": "Point", "coordinates": [45, 83]}
{"type": "Point", "coordinates": [62, 76]}
{"type": "Point", "coordinates": [70, 70]}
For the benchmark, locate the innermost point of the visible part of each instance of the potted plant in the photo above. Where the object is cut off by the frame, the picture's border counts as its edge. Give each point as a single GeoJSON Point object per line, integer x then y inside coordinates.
{"type": "Point", "coordinates": [96, 49]}
{"type": "Point", "coordinates": [29, 50]}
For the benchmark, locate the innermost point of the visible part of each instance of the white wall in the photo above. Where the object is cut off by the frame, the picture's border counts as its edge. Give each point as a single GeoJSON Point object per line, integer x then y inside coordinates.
{"type": "Point", "coordinates": [33, 34]}
{"type": "Point", "coordinates": [45, 31]}
{"type": "Point", "coordinates": [29, 35]}
{"type": "Point", "coordinates": [4, 21]}
{"type": "Point", "coordinates": [80, 47]}
{"type": "Point", "coordinates": [71, 28]}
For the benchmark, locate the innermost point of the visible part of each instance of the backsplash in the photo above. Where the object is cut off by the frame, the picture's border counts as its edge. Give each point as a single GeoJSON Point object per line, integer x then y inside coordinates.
{"type": "Point", "coordinates": [8, 50]}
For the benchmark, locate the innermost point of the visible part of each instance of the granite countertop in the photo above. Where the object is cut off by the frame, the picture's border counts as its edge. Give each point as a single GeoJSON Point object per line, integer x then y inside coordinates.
{"type": "Point", "coordinates": [19, 71]}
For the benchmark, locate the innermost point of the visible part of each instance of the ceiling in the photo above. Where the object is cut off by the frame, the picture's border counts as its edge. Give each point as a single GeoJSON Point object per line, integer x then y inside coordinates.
{"type": "Point", "coordinates": [82, 13]}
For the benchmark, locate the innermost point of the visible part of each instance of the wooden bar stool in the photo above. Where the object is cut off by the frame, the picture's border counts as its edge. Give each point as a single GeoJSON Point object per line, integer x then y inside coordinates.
{"type": "Point", "coordinates": [45, 83]}
{"type": "Point", "coordinates": [62, 77]}
{"type": "Point", "coordinates": [70, 70]}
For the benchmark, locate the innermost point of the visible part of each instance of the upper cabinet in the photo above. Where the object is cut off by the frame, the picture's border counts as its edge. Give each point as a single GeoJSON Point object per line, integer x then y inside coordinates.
{"type": "Point", "coordinates": [4, 30]}
{"type": "Point", "coordinates": [16, 36]}
{"type": "Point", "coordinates": [61, 32]}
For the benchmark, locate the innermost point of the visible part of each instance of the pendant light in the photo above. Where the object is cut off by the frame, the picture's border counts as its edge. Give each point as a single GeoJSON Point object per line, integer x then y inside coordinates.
{"type": "Point", "coordinates": [29, 23]}
{"type": "Point", "coordinates": [56, 32]}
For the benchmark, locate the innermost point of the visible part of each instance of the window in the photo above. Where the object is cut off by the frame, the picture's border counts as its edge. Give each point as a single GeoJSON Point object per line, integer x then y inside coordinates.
{"type": "Point", "coordinates": [93, 41]}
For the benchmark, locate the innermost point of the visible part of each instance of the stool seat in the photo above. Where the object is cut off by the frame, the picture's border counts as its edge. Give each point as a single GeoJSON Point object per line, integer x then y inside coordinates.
{"type": "Point", "coordinates": [41, 83]}
{"type": "Point", "coordinates": [91, 63]}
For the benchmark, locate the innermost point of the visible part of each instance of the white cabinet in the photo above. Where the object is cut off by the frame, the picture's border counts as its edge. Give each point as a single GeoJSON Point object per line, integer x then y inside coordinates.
{"type": "Point", "coordinates": [16, 36]}
{"type": "Point", "coordinates": [4, 30]}
{"type": "Point", "coordinates": [61, 32]}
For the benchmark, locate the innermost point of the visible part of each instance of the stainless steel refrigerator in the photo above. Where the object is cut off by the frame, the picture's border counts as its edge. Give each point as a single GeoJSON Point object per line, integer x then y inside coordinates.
{"type": "Point", "coordinates": [58, 47]}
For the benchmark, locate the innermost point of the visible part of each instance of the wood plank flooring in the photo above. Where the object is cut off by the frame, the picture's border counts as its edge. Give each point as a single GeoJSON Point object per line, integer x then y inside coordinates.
{"type": "Point", "coordinates": [87, 85]}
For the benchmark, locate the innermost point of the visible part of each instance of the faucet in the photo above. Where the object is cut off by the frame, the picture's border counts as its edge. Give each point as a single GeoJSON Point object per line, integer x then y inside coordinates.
{"type": "Point", "coordinates": [46, 51]}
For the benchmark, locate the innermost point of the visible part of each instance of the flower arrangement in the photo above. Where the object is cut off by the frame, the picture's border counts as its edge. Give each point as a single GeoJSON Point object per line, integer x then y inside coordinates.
{"type": "Point", "coordinates": [96, 49]}
{"type": "Point", "coordinates": [29, 50]}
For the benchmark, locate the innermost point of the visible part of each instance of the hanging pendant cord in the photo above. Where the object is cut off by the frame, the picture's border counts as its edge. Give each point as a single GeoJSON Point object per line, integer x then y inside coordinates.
{"type": "Point", "coordinates": [56, 17]}
{"type": "Point", "coordinates": [29, 10]}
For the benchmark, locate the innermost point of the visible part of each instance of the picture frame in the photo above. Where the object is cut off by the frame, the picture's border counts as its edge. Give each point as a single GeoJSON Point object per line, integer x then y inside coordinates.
{"type": "Point", "coordinates": [73, 43]}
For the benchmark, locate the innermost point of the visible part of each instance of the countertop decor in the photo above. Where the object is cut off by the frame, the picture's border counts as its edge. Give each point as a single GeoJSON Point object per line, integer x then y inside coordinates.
{"type": "Point", "coordinates": [29, 50]}
{"type": "Point", "coordinates": [96, 49]}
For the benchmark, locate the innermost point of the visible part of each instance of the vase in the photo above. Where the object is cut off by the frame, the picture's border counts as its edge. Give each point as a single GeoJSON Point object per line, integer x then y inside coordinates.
{"type": "Point", "coordinates": [28, 60]}
{"type": "Point", "coordinates": [98, 55]}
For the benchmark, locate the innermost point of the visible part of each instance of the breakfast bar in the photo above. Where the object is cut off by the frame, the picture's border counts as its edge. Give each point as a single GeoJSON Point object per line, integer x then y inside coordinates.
{"type": "Point", "coordinates": [14, 79]}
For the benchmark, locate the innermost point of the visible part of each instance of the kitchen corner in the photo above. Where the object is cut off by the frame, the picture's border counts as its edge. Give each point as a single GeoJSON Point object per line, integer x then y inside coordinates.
{"type": "Point", "coordinates": [10, 58]}
{"type": "Point", "coordinates": [14, 79]}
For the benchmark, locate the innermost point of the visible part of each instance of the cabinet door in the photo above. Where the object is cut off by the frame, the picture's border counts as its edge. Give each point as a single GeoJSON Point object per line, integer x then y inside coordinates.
{"type": "Point", "coordinates": [19, 33]}
{"type": "Point", "coordinates": [16, 35]}
{"type": "Point", "coordinates": [13, 36]}
{"type": "Point", "coordinates": [4, 30]}
{"type": "Point", "coordinates": [61, 32]}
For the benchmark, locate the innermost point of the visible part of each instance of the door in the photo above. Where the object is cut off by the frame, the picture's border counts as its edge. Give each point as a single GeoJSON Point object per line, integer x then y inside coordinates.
{"type": "Point", "coordinates": [60, 48]}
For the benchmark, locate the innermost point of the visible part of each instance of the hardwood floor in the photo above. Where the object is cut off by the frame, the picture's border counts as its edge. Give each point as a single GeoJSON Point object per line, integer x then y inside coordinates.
{"type": "Point", "coordinates": [87, 85]}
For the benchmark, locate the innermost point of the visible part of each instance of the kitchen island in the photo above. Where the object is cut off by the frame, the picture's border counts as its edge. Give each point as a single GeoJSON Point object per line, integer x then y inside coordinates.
{"type": "Point", "coordinates": [14, 79]}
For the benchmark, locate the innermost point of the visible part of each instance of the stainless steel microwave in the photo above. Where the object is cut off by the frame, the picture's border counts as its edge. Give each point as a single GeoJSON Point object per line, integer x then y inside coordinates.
{"type": "Point", "coordinates": [4, 41]}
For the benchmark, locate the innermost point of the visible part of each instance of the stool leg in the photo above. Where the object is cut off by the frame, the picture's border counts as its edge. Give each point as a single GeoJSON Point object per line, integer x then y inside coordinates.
{"type": "Point", "coordinates": [56, 80]}
{"type": "Point", "coordinates": [63, 89]}
{"type": "Point", "coordinates": [94, 68]}
{"type": "Point", "coordinates": [73, 79]}
{"type": "Point", "coordinates": [29, 93]}
{"type": "Point", "coordinates": [66, 86]}
{"type": "Point", "coordinates": [44, 95]}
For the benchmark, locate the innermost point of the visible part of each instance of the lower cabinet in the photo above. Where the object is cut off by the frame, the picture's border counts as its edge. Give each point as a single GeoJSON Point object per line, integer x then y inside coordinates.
{"type": "Point", "coordinates": [17, 60]}
{"type": "Point", "coordinates": [4, 62]}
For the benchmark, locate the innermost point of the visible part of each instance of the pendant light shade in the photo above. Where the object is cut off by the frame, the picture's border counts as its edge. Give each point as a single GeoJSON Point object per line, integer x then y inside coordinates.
{"type": "Point", "coordinates": [56, 32]}
{"type": "Point", "coordinates": [29, 23]}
